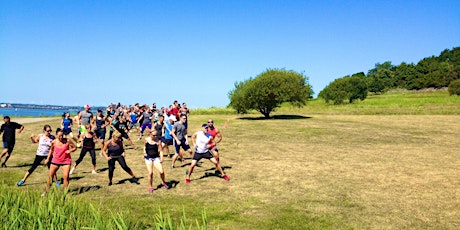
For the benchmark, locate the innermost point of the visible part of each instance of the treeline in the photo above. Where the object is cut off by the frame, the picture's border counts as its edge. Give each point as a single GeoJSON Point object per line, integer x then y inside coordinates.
{"type": "Point", "coordinates": [432, 72]}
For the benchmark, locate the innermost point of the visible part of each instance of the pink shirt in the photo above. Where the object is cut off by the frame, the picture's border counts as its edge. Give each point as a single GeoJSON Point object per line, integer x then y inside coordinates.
{"type": "Point", "coordinates": [60, 157]}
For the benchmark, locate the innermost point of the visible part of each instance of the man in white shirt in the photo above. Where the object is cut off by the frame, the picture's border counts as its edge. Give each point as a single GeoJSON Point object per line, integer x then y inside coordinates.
{"type": "Point", "coordinates": [201, 141]}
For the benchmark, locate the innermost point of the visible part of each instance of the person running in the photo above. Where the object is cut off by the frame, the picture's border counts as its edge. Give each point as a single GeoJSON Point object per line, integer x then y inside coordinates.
{"type": "Point", "coordinates": [101, 123]}
{"type": "Point", "coordinates": [167, 139]}
{"type": "Point", "coordinates": [153, 154]}
{"type": "Point", "coordinates": [201, 144]}
{"type": "Point", "coordinates": [121, 127]}
{"type": "Point", "coordinates": [158, 126]}
{"type": "Point", "coordinates": [114, 151]}
{"type": "Point", "coordinates": [185, 111]}
{"type": "Point", "coordinates": [66, 126]}
{"type": "Point", "coordinates": [59, 155]}
{"type": "Point", "coordinates": [146, 119]}
{"type": "Point", "coordinates": [133, 121]}
{"type": "Point", "coordinates": [44, 144]}
{"type": "Point", "coordinates": [88, 140]}
{"type": "Point", "coordinates": [216, 138]}
{"type": "Point", "coordinates": [9, 137]}
{"type": "Point", "coordinates": [179, 133]}
{"type": "Point", "coordinates": [85, 117]}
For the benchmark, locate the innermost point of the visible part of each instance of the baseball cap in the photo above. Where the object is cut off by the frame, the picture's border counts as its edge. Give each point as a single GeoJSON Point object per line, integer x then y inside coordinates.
{"type": "Point", "coordinates": [87, 106]}
{"type": "Point", "coordinates": [172, 117]}
{"type": "Point", "coordinates": [204, 126]}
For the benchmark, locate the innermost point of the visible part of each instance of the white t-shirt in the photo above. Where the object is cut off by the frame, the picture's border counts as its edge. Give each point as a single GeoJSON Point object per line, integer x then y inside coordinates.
{"type": "Point", "coordinates": [201, 141]}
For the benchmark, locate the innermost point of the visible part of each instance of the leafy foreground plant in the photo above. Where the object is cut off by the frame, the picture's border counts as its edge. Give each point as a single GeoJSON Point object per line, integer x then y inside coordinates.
{"type": "Point", "coordinates": [21, 209]}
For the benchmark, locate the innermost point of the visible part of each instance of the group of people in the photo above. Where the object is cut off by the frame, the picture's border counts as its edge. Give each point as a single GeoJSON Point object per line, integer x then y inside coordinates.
{"type": "Point", "coordinates": [165, 127]}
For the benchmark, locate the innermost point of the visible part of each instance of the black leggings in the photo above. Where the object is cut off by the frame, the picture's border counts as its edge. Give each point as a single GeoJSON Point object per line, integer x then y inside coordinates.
{"type": "Point", "coordinates": [122, 162]}
{"type": "Point", "coordinates": [37, 161]}
{"type": "Point", "coordinates": [83, 152]}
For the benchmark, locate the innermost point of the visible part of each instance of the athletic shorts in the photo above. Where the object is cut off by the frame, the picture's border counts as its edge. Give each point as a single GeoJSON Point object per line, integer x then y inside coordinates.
{"type": "Point", "coordinates": [199, 156]}
{"type": "Point", "coordinates": [66, 131]}
{"type": "Point", "coordinates": [9, 146]}
{"type": "Point", "coordinates": [182, 144]}
{"type": "Point", "coordinates": [131, 125]}
{"type": "Point", "coordinates": [82, 129]}
{"type": "Point", "coordinates": [150, 159]}
{"type": "Point", "coordinates": [167, 141]}
{"type": "Point", "coordinates": [100, 133]}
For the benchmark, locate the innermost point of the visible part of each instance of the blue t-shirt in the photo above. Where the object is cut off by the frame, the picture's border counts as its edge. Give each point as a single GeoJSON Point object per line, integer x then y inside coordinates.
{"type": "Point", "coordinates": [168, 130]}
{"type": "Point", "coordinates": [66, 122]}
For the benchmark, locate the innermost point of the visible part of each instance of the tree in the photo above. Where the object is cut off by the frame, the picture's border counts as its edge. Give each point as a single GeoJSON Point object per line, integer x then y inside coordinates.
{"type": "Point", "coordinates": [269, 90]}
{"type": "Point", "coordinates": [454, 87]}
{"type": "Point", "coordinates": [348, 88]}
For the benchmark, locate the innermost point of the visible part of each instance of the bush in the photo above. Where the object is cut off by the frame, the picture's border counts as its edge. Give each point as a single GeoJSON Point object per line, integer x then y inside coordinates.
{"type": "Point", "coordinates": [454, 87]}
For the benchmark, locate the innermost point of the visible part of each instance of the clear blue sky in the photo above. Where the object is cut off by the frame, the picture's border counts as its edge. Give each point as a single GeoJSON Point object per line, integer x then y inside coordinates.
{"type": "Point", "coordinates": [98, 52]}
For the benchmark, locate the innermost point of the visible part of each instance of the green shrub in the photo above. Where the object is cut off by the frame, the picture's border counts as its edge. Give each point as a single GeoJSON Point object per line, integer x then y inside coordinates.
{"type": "Point", "coordinates": [454, 87]}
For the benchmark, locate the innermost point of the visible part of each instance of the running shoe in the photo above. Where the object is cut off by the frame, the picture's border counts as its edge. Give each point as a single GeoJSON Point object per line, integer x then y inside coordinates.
{"type": "Point", "coordinates": [226, 178]}
{"type": "Point", "coordinates": [150, 190]}
{"type": "Point", "coordinates": [172, 166]}
{"type": "Point", "coordinates": [165, 186]}
{"type": "Point", "coordinates": [58, 183]}
{"type": "Point", "coordinates": [72, 170]}
{"type": "Point", "coordinates": [43, 194]}
{"type": "Point", "coordinates": [187, 181]}
{"type": "Point", "coordinates": [93, 172]}
{"type": "Point", "coordinates": [3, 165]}
{"type": "Point", "coordinates": [21, 182]}
{"type": "Point", "coordinates": [110, 183]}
{"type": "Point", "coordinates": [186, 172]}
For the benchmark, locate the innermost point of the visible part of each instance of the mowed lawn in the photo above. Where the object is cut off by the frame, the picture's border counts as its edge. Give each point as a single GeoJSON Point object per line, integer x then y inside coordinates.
{"type": "Point", "coordinates": [293, 172]}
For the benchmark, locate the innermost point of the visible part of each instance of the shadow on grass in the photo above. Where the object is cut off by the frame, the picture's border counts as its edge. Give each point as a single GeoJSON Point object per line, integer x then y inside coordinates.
{"type": "Point", "coordinates": [131, 180]}
{"type": "Point", "coordinates": [74, 178]}
{"type": "Point", "coordinates": [276, 117]}
{"type": "Point", "coordinates": [80, 190]}
{"type": "Point", "coordinates": [171, 184]}
{"type": "Point", "coordinates": [216, 172]}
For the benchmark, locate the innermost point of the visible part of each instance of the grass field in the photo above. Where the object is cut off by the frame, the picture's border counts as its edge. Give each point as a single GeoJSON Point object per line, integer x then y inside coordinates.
{"type": "Point", "coordinates": [319, 167]}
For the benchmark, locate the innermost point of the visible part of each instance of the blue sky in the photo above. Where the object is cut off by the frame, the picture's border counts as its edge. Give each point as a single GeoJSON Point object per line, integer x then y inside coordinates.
{"type": "Point", "coordinates": [98, 52]}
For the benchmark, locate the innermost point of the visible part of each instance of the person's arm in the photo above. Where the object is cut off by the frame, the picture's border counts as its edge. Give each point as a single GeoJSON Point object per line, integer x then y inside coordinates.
{"type": "Point", "coordinates": [218, 137]}
{"type": "Point", "coordinates": [173, 134]}
{"type": "Point", "coordinates": [160, 150]}
{"type": "Point", "coordinates": [21, 128]}
{"type": "Point", "coordinates": [50, 154]}
{"type": "Point", "coordinates": [194, 140]}
{"type": "Point", "coordinates": [104, 150]}
{"type": "Point", "coordinates": [34, 138]}
{"type": "Point", "coordinates": [72, 146]}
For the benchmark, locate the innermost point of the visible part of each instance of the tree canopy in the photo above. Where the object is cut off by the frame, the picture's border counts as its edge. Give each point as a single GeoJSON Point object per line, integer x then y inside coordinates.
{"type": "Point", "coordinates": [431, 72]}
{"type": "Point", "coordinates": [269, 90]}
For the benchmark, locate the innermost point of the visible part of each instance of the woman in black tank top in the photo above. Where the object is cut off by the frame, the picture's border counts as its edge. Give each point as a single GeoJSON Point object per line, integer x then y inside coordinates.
{"type": "Point", "coordinates": [153, 154]}
{"type": "Point", "coordinates": [113, 151]}
{"type": "Point", "coordinates": [88, 139]}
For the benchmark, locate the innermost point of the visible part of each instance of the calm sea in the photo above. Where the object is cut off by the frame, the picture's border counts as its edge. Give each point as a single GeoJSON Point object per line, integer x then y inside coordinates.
{"type": "Point", "coordinates": [20, 112]}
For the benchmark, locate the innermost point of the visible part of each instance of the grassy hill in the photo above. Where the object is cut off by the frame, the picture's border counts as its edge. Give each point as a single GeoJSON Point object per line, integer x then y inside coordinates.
{"type": "Point", "coordinates": [375, 164]}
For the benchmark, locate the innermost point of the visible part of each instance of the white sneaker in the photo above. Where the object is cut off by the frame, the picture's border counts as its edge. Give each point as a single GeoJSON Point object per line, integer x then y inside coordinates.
{"type": "Point", "coordinates": [94, 172]}
{"type": "Point", "coordinates": [72, 170]}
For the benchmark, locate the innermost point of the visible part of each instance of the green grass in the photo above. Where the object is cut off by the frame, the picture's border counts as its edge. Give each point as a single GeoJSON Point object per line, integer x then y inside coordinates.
{"type": "Point", "coordinates": [319, 167]}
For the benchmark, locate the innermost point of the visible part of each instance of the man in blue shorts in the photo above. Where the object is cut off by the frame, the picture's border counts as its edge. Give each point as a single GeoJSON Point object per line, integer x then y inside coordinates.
{"type": "Point", "coordinates": [9, 137]}
{"type": "Point", "coordinates": [179, 132]}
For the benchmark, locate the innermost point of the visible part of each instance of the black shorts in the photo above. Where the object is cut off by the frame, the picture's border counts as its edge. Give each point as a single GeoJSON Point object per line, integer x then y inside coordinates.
{"type": "Point", "coordinates": [205, 155]}
{"type": "Point", "coordinates": [167, 141]}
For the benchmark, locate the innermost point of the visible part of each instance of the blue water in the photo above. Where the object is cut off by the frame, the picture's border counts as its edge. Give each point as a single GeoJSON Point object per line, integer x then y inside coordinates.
{"type": "Point", "coordinates": [20, 112]}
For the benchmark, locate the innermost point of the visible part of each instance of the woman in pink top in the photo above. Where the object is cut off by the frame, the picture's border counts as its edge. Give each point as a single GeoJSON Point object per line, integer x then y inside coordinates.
{"type": "Point", "coordinates": [60, 151]}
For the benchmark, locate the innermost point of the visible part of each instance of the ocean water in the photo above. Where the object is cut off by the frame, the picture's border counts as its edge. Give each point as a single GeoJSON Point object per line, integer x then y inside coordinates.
{"type": "Point", "coordinates": [20, 112]}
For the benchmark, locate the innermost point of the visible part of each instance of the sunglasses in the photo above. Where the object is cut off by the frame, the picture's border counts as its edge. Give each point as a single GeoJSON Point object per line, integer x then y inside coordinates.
{"type": "Point", "coordinates": [49, 131]}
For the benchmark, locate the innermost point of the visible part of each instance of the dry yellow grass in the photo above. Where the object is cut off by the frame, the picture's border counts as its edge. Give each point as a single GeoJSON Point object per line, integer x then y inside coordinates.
{"type": "Point", "coordinates": [343, 171]}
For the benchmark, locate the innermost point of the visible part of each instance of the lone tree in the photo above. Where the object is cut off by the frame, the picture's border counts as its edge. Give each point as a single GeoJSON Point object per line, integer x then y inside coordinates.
{"type": "Point", "coordinates": [269, 90]}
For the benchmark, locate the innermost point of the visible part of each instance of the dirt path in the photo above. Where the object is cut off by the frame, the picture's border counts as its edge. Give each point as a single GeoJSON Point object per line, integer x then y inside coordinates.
{"type": "Point", "coordinates": [25, 120]}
